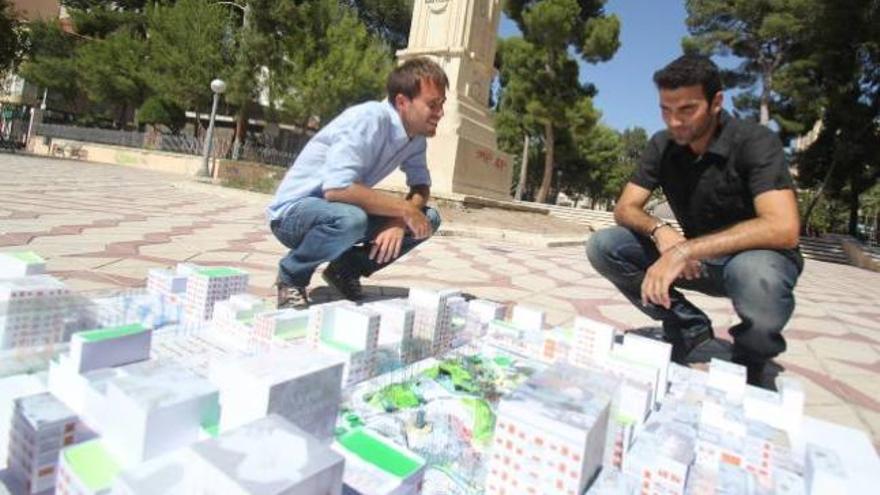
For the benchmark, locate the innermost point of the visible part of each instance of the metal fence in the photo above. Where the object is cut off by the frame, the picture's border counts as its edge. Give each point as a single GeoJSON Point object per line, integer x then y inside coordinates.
{"type": "Point", "coordinates": [174, 143]}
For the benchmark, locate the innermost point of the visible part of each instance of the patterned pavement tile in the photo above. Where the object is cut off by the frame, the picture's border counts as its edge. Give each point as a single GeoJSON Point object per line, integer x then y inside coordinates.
{"type": "Point", "coordinates": [103, 227]}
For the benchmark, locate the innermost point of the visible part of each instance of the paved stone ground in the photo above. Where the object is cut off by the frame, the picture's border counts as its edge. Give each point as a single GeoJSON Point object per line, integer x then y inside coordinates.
{"type": "Point", "coordinates": [103, 227]}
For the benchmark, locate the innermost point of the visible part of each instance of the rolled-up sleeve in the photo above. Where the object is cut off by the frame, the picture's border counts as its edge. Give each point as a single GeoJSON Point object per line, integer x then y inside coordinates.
{"type": "Point", "coordinates": [416, 168]}
{"type": "Point", "coordinates": [647, 174]}
{"type": "Point", "coordinates": [764, 161]}
{"type": "Point", "coordinates": [351, 153]}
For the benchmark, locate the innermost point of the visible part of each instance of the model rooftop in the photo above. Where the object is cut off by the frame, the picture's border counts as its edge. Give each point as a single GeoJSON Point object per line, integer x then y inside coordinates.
{"type": "Point", "coordinates": [220, 271]}
{"type": "Point", "coordinates": [109, 333]}
{"type": "Point", "coordinates": [379, 453]}
{"type": "Point", "coordinates": [91, 462]}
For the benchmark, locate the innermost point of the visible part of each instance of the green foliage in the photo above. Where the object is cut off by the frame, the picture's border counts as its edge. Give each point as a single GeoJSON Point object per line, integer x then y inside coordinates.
{"type": "Point", "coordinates": [484, 420]}
{"type": "Point", "coordinates": [843, 65]}
{"type": "Point", "coordinates": [395, 397]}
{"type": "Point", "coordinates": [388, 19]}
{"type": "Point", "coordinates": [765, 34]}
{"type": "Point", "coordinates": [12, 38]}
{"type": "Point", "coordinates": [186, 45]}
{"type": "Point", "coordinates": [49, 63]}
{"type": "Point", "coordinates": [332, 63]}
{"type": "Point", "coordinates": [111, 70]}
{"type": "Point", "coordinates": [158, 112]}
{"type": "Point", "coordinates": [541, 94]}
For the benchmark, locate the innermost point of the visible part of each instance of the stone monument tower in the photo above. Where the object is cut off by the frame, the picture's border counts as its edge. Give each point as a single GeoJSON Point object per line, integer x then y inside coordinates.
{"type": "Point", "coordinates": [460, 35]}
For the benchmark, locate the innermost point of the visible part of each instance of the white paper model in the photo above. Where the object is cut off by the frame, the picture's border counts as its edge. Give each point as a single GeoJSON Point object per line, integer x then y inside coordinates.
{"type": "Point", "coordinates": [299, 384]}
{"type": "Point", "coordinates": [32, 311]}
{"type": "Point", "coordinates": [158, 407]}
{"type": "Point", "coordinates": [41, 426]}
{"type": "Point", "coordinates": [269, 456]}
{"type": "Point", "coordinates": [208, 285]}
{"type": "Point", "coordinates": [550, 433]}
{"type": "Point", "coordinates": [109, 347]}
{"type": "Point", "coordinates": [21, 264]}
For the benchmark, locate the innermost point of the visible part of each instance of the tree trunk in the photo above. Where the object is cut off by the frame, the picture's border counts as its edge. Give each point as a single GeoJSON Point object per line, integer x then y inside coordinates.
{"type": "Point", "coordinates": [241, 125]}
{"type": "Point", "coordinates": [523, 170]}
{"type": "Point", "coordinates": [853, 226]}
{"type": "Point", "coordinates": [766, 81]}
{"type": "Point", "coordinates": [815, 199]}
{"type": "Point", "coordinates": [549, 144]}
{"type": "Point", "coordinates": [876, 225]}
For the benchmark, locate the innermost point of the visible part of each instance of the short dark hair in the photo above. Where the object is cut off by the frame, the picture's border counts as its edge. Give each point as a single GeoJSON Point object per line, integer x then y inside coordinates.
{"type": "Point", "coordinates": [690, 70]}
{"type": "Point", "coordinates": [406, 78]}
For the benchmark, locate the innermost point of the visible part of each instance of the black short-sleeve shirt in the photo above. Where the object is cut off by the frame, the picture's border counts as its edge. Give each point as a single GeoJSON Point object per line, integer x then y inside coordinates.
{"type": "Point", "coordinates": [715, 190]}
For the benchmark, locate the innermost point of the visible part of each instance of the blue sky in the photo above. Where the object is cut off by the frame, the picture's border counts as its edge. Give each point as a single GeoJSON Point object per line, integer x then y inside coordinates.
{"type": "Point", "coordinates": [651, 32]}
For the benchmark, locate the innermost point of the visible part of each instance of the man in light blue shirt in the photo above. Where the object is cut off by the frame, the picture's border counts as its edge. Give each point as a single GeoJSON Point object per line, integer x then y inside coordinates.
{"type": "Point", "coordinates": [325, 208]}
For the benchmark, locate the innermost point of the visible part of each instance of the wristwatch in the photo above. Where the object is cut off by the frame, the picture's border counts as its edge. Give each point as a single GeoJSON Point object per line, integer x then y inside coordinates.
{"type": "Point", "coordinates": [661, 223]}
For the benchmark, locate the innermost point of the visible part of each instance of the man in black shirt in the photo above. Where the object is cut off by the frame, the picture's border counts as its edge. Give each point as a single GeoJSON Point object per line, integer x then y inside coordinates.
{"type": "Point", "coordinates": [730, 190]}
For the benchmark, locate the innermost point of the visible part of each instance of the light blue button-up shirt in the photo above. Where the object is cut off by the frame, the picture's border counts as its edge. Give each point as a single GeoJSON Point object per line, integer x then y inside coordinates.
{"type": "Point", "coordinates": [363, 145]}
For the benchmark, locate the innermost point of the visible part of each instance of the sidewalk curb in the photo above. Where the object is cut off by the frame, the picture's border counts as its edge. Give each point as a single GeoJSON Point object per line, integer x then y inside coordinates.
{"type": "Point", "coordinates": [528, 238]}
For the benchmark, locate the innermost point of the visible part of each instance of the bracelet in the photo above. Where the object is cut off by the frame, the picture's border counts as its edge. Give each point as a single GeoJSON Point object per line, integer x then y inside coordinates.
{"type": "Point", "coordinates": [656, 227]}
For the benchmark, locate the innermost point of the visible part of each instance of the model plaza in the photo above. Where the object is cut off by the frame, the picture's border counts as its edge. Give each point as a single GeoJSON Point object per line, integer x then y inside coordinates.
{"type": "Point", "coordinates": [194, 386]}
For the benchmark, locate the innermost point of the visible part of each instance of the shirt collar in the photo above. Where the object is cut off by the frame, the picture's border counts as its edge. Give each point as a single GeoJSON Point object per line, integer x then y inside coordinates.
{"type": "Point", "coordinates": [398, 131]}
{"type": "Point", "coordinates": [722, 140]}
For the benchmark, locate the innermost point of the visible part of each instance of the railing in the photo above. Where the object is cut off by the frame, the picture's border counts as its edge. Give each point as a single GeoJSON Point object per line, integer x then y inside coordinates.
{"type": "Point", "coordinates": [174, 143]}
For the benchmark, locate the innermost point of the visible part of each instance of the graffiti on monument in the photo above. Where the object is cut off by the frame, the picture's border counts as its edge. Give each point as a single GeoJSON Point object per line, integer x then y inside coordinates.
{"type": "Point", "coordinates": [490, 158]}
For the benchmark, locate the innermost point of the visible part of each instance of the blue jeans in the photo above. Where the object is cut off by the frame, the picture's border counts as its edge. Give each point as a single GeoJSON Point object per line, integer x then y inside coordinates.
{"type": "Point", "coordinates": [759, 282]}
{"type": "Point", "coordinates": [316, 230]}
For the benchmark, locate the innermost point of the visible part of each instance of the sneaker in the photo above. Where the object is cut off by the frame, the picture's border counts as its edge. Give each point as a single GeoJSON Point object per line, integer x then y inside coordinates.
{"type": "Point", "coordinates": [292, 296]}
{"type": "Point", "coordinates": [343, 282]}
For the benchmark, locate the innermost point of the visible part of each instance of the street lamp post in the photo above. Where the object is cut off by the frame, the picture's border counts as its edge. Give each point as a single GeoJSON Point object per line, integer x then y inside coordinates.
{"type": "Point", "coordinates": [218, 87]}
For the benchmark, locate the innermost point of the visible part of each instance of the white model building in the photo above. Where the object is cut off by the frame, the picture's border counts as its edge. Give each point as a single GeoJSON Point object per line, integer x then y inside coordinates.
{"type": "Point", "coordinates": [32, 311]}
{"type": "Point", "coordinates": [376, 466]}
{"type": "Point", "coordinates": [284, 325]}
{"type": "Point", "coordinates": [659, 461]}
{"type": "Point", "coordinates": [267, 457]}
{"type": "Point", "coordinates": [480, 313]}
{"type": "Point", "coordinates": [350, 333]}
{"type": "Point", "coordinates": [167, 283]}
{"type": "Point", "coordinates": [396, 318]}
{"type": "Point", "coordinates": [208, 285]}
{"type": "Point", "coordinates": [650, 352]}
{"type": "Point", "coordinates": [299, 384]}
{"type": "Point", "coordinates": [157, 407]}
{"type": "Point", "coordinates": [41, 426]}
{"type": "Point", "coordinates": [527, 318]}
{"type": "Point", "coordinates": [431, 328]}
{"type": "Point", "coordinates": [550, 433]}
{"type": "Point", "coordinates": [109, 347]}
{"type": "Point", "coordinates": [236, 314]}
{"type": "Point", "coordinates": [21, 264]}
{"type": "Point", "coordinates": [146, 308]}
{"type": "Point", "coordinates": [591, 341]}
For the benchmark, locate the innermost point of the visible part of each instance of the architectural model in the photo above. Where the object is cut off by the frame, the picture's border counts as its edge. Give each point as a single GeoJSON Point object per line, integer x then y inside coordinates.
{"type": "Point", "coordinates": [194, 386]}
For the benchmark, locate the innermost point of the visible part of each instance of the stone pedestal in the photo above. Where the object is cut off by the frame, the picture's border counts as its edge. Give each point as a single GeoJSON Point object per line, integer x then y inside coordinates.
{"type": "Point", "coordinates": [460, 35]}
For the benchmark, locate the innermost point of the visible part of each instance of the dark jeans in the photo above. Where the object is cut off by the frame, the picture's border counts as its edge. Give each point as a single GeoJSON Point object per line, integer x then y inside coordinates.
{"type": "Point", "coordinates": [759, 282]}
{"type": "Point", "coordinates": [316, 230]}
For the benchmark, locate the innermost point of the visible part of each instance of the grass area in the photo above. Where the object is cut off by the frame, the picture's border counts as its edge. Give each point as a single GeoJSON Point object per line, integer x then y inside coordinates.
{"type": "Point", "coordinates": [395, 397]}
{"type": "Point", "coordinates": [484, 420]}
{"type": "Point", "coordinates": [266, 185]}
